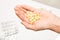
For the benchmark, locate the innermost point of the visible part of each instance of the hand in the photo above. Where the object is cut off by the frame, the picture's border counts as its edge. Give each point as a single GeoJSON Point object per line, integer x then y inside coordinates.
{"type": "Point", "coordinates": [45, 22]}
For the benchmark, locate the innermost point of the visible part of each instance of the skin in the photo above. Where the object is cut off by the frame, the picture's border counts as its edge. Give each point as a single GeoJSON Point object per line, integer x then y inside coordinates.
{"type": "Point", "coordinates": [47, 19]}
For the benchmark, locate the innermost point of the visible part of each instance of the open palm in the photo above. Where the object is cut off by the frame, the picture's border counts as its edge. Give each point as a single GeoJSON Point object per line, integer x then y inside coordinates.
{"type": "Point", "coordinates": [46, 18]}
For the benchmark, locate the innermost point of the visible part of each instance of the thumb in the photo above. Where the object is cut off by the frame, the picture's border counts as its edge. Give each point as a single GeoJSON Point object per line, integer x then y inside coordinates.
{"type": "Point", "coordinates": [27, 25]}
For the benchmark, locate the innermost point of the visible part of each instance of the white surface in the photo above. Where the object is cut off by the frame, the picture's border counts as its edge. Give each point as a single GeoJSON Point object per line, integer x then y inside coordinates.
{"type": "Point", "coordinates": [58, 37]}
{"type": "Point", "coordinates": [7, 14]}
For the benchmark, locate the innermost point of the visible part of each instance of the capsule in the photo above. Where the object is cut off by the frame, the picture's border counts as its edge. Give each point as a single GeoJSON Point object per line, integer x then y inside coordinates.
{"type": "Point", "coordinates": [33, 17]}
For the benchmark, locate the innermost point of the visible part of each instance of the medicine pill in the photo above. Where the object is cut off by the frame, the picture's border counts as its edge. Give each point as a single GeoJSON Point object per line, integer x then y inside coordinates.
{"type": "Point", "coordinates": [32, 16]}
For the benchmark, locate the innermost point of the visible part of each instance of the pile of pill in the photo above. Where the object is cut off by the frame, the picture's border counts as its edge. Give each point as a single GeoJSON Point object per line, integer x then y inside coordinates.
{"type": "Point", "coordinates": [32, 16]}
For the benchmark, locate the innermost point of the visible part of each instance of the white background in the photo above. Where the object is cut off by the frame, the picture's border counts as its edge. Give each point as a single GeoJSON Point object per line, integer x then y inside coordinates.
{"type": "Point", "coordinates": [7, 13]}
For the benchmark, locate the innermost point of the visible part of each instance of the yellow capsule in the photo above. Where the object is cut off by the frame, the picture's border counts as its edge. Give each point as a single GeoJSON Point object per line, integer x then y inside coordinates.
{"type": "Point", "coordinates": [32, 16]}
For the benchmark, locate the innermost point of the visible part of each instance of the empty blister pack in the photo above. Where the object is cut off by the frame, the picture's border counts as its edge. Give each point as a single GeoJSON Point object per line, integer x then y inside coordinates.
{"type": "Point", "coordinates": [9, 28]}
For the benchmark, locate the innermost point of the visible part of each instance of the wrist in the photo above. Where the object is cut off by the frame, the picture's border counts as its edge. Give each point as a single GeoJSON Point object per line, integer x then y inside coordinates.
{"type": "Point", "coordinates": [56, 25]}
{"type": "Point", "coordinates": [56, 22]}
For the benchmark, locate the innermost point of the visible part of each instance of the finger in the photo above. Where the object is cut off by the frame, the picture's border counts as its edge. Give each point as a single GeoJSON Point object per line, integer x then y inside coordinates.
{"type": "Point", "coordinates": [20, 13]}
{"type": "Point", "coordinates": [28, 8]}
{"type": "Point", "coordinates": [18, 7]}
{"type": "Point", "coordinates": [22, 16]}
{"type": "Point", "coordinates": [25, 8]}
{"type": "Point", "coordinates": [28, 26]}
